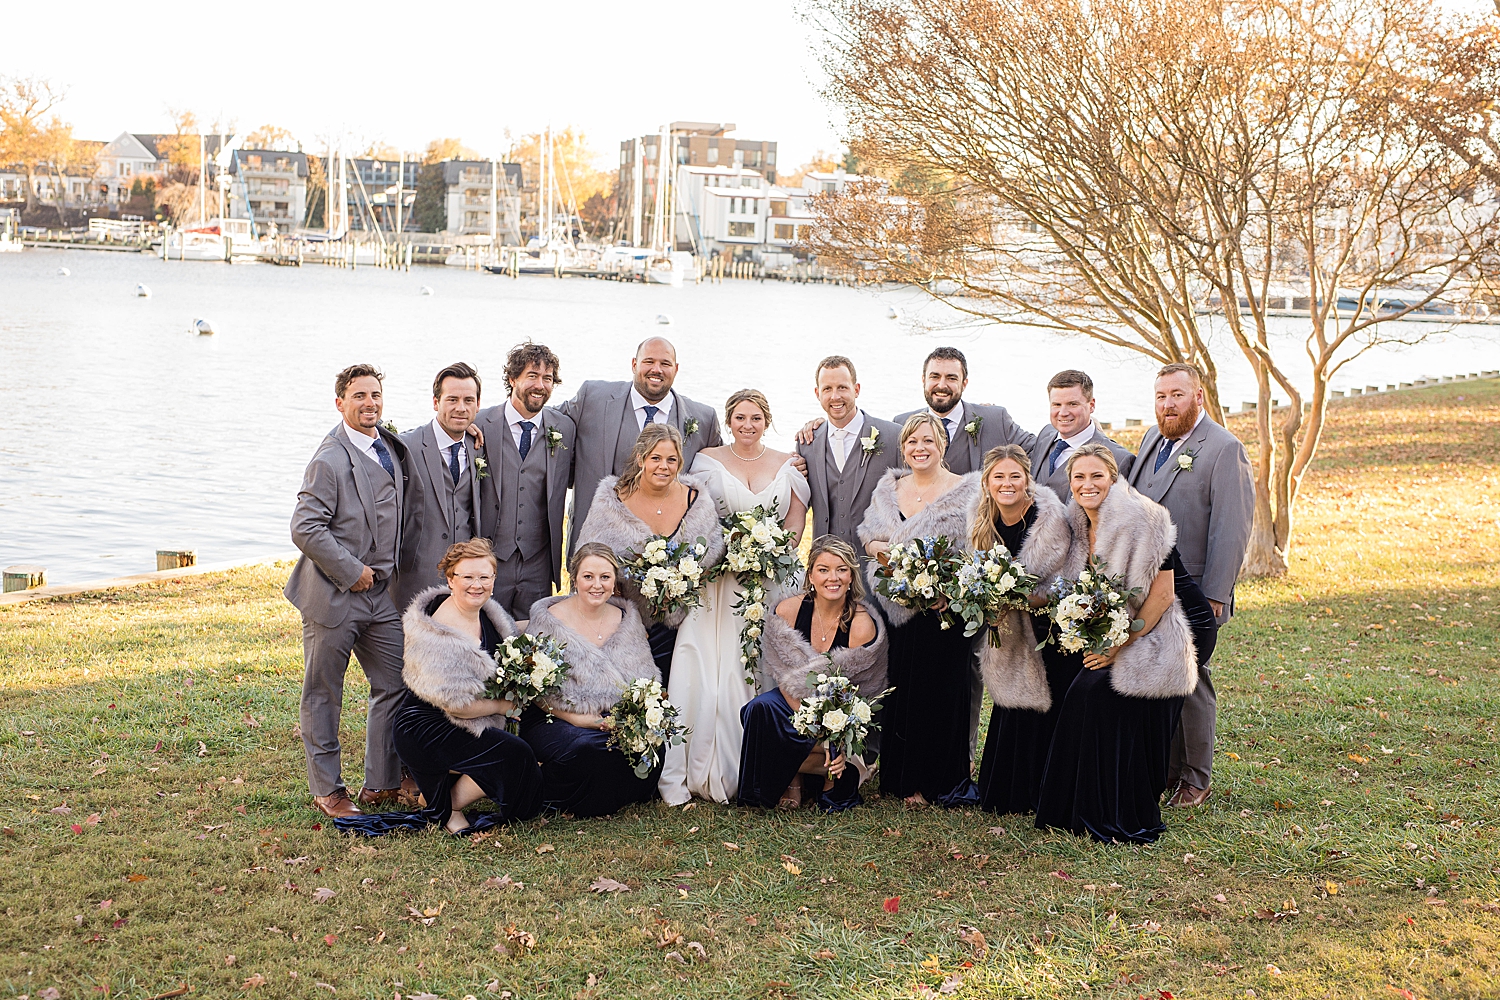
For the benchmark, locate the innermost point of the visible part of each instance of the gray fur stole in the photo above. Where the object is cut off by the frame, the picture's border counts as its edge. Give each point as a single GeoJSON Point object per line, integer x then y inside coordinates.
{"type": "Point", "coordinates": [1014, 672]}
{"type": "Point", "coordinates": [787, 658]}
{"type": "Point", "coordinates": [446, 668]}
{"type": "Point", "coordinates": [597, 675]}
{"type": "Point", "coordinates": [947, 515]}
{"type": "Point", "coordinates": [613, 523]}
{"type": "Point", "coordinates": [1134, 537]}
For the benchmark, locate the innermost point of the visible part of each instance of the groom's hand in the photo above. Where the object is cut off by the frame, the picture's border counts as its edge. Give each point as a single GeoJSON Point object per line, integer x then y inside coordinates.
{"type": "Point", "coordinates": [805, 435]}
{"type": "Point", "coordinates": [365, 582]}
{"type": "Point", "coordinates": [477, 434]}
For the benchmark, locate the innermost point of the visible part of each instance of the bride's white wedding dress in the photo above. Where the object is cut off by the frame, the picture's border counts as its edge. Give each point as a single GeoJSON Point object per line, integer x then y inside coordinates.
{"type": "Point", "coordinates": [708, 682]}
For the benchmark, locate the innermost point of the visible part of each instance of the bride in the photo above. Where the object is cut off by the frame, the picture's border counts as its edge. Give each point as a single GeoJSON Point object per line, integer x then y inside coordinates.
{"type": "Point", "coordinates": [708, 683]}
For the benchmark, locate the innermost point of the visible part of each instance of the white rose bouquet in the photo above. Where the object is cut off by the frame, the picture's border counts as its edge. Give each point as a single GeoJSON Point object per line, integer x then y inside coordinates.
{"type": "Point", "coordinates": [668, 574]}
{"type": "Point", "coordinates": [916, 575]}
{"type": "Point", "coordinates": [643, 723]}
{"type": "Point", "coordinates": [835, 714]}
{"type": "Point", "coordinates": [760, 553]}
{"type": "Point", "coordinates": [987, 586]}
{"type": "Point", "coordinates": [1092, 613]}
{"type": "Point", "coordinates": [527, 668]}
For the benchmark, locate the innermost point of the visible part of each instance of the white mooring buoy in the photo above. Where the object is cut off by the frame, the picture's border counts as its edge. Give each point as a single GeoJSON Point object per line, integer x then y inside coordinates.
{"type": "Point", "coordinates": [63, 272]}
{"type": "Point", "coordinates": [663, 319]}
{"type": "Point", "coordinates": [142, 292]}
{"type": "Point", "coordinates": [203, 327]}
{"type": "Point", "coordinates": [892, 312]}
{"type": "Point", "coordinates": [425, 290]}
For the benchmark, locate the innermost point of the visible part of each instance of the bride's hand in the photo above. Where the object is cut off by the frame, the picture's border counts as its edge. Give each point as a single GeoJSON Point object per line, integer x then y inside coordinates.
{"type": "Point", "coordinates": [834, 764]}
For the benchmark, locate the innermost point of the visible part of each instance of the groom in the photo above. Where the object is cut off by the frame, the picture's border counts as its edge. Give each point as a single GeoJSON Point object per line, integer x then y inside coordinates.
{"type": "Point", "coordinates": [610, 416]}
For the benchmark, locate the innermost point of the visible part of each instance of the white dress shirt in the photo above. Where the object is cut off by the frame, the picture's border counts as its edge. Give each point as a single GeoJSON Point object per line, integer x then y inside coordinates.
{"type": "Point", "coordinates": [639, 402]}
{"type": "Point", "coordinates": [364, 442]}
{"type": "Point", "coordinates": [1073, 443]}
{"type": "Point", "coordinates": [841, 439]}
{"type": "Point", "coordinates": [445, 442]}
{"type": "Point", "coordinates": [513, 420]}
{"type": "Point", "coordinates": [952, 421]}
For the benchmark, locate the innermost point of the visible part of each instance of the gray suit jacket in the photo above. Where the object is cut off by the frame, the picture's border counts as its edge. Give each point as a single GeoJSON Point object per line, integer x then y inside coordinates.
{"type": "Point", "coordinates": [965, 452]}
{"type": "Point", "coordinates": [1057, 480]}
{"type": "Point", "coordinates": [431, 532]}
{"type": "Point", "coordinates": [491, 422]}
{"type": "Point", "coordinates": [1213, 504]}
{"type": "Point", "coordinates": [598, 411]}
{"type": "Point", "coordinates": [335, 518]}
{"type": "Point", "coordinates": [871, 467]}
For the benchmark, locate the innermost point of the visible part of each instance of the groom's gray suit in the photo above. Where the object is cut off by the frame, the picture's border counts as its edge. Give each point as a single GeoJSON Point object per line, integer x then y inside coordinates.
{"type": "Point", "coordinates": [607, 428]}
{"type": "Point", "coordinates": [840, 498]}
{"type": "Point", "coordinates": [350, 515]}
{"type": "Point", "coordinates": [1212, 503]}
{"type": "Point", "coordinates": [447, 513]}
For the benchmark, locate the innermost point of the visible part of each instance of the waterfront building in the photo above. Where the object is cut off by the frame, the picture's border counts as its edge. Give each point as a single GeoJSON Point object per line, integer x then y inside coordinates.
{"type": "Point", "coordinates": [268, 187]}
{"type": "Point", "coordinates": [468, 200]}
{"type": "Point", "coordinates": [688, 144]}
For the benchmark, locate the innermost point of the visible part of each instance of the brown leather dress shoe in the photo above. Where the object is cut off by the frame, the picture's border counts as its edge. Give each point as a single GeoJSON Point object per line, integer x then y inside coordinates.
{"type": "Point", "coordinates": [1188, 797]}
{"type": "Point", "coordinates": [336, 806]}
{"type": "Point", "coordinates": [410, 795]}
{"type": "Point", "coordinates": [378, 797]}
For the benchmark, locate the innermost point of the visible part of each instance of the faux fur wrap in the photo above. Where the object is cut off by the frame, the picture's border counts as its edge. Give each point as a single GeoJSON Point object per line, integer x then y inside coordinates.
{"type": "Point", "coordinates": [445, 667]}
{"type": "Point", "coordinates": [1013, 671]}
{"type": "Point", "coordinates": [613, 523]}
{"type": "Point", "coordinates": [947, 515]}
{"type": "Point", "coordinates": [787, 658]}
{"type": "Point", "coordinates": [1134, 538]}
{"type": "Point", "coordinates": [597, 675]}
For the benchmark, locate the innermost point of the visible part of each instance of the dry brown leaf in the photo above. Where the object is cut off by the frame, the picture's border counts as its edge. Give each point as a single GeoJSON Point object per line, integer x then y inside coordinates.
{"type": "Point", "coordinates": [676, 957]}
{"type": "Point", "coordinates": [546, 849]}
{"type": "Point", "coordinates": [823, 953]}
{"type": "Point", "coordinates": [608, 885]}
{"type": "Point", "coordinates": [731, 847]}
{"type": "Point", "coordinates": [322, 895]}
{"type": "Point", "coordinates": [229, 960]}
{"type": "Point", "coordinates": [974, 938]}
{"type": "Point", "coordinates": [61, 810]}
{"type": "Point", "coordinates": [256, 980]}
{"type": "Point", "coordinates": [699, 952]}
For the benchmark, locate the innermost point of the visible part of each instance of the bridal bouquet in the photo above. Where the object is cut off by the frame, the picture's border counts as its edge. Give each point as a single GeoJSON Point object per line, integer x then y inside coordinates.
{"type": "Point", "coordinates": [527, 668]}
{"type": "Point", "coordinates": [1091, 612]}
{"type": "Point", "coordinates": [986, 586]}
{"type": "Point", "coordinates": [915, 574]}
{"type": "Point", "coordinates": [668, 574]}
{"type": "Point", "coordinates": [835, 713]}
{"type": "Point", "coordinates": [761, 552]}
{"type": "Point", "coordinates": [644, 722]}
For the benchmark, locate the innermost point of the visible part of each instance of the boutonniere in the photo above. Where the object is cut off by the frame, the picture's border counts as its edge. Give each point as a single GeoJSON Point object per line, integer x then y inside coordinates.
{"type": "Point", "coordinates": [972, 428]}
{"type": "Point", "coordinates": [481, 467]}
{"type": "Point", "coordinates": [871, 445]}
{"type": "Point", "coordinates": [690, 425]}
{"type": "Point", "coordinates": [554, 440]}
{"type": "Point", "coordinates": [1185, 461]}
{"type": "Point", "coordinates": [390, 425]}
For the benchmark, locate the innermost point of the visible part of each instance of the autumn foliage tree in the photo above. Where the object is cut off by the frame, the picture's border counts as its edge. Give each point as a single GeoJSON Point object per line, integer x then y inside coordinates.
{"type": "Point", "coordinates": [31, 134]}
{"type": "Point", "coordinates": [1146, 172]}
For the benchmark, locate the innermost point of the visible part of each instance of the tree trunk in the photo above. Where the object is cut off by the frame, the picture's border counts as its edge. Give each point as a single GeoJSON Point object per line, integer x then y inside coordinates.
{"type": "Point", "coordinates": [1263, 557]}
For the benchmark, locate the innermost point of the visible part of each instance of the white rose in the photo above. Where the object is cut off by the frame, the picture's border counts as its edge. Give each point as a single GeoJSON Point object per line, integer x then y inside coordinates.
{"type": "Point", "coordinates": [1006, 582]}
{"type": "Point", "coordinates": [835, 721]}
{"type": "Point", "coordinates": [755, 613]}
{"type": "Point", "coordinates": [753, 632]}
{"type": "Point", "coordinates": [922, 581]}
{"type": "Point", "coordinates": [862, 711]}
{"type": "Point", "coordinates": [654, 716]}
{"type": "Point", "coordinates": [541, 676]}
{"type": "Point", "coordinates": [762, 533]}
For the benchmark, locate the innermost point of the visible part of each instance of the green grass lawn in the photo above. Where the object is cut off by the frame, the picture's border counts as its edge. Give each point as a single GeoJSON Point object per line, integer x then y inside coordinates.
{"type": "Point", "coordinates": [157, 829]}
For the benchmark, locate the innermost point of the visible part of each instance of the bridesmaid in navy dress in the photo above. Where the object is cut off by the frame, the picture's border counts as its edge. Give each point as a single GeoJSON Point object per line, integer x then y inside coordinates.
{"type": "Point", "coordinates": [606, 650]}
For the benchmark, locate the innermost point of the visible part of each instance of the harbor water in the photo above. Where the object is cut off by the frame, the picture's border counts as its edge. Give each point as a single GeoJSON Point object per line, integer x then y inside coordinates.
{"type": "Point", "coordinates": [124, 431]}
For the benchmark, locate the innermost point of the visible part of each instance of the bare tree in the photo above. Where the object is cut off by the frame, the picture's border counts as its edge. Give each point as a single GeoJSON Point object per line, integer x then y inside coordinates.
{"type": "Point", "coordinates": [1120, 169]}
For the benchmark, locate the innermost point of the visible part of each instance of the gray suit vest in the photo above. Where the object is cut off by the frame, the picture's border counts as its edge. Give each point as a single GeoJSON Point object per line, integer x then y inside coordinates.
{"type": "Point", "coordinates": [843, 519]}
{"type": "Point", "coordinates": [382, 555]}
{"type": "Point", "coordinates": [523, 497]}
{"type": "Point", "coordinates": [1153, 476]}
{"type": "Point", "coordinates": [630, 429]}
{"type": "Point", "coordinates": [458, 502]}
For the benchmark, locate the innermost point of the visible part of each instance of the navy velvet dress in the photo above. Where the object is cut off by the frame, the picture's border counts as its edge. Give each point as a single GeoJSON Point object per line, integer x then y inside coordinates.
{"type": "Point", "coordinates": [1016, 746]}
{"type": "Point", "coordinates": [581, 773]}
{"type": "Point", "coordinates": [438, 753]}
{"type": "Point", "coordinates": [1107, 768]}
{"type": "Point", "coordinates": [773, 751]}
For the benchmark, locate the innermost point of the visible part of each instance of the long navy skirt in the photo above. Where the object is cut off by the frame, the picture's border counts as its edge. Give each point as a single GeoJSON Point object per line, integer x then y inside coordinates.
{"type": "Point", "coordinates": [1015, 749]}
{"type": "Point", "coordinates": [663, 641]}
{"type": "Point", "coordinates": [772, 753]}
{"type": "Point", "coordinates": [581, 773]}
{"type": "Point", "coordinates": [924, 743]}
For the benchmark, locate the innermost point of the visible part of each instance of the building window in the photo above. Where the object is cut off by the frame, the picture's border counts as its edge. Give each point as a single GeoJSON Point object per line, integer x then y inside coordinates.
{"type": "Point", "coordinates": [742, 229]}
{"type": "Point", "coordinates": [253, 162]}
{"type": "Point", "coordinates": [713, 154]}
{"type": "Point", "coordinates": [124, 169]}
{"type": "Point", "coordinates": [771, 158]}
{"type": "Point", "coordinates": [784, 232]}
{"type": "Point", "coordinates": [778, 208]}
{"type": "Point", "coordinates": [282, 163]}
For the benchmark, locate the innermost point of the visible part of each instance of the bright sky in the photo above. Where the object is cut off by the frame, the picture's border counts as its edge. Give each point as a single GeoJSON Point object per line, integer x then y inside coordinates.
{"type": "Point", "coordinates": [411, 72]}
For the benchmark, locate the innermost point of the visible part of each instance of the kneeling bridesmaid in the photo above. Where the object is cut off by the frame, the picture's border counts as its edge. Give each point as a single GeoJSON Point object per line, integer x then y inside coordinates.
{"type": "Point", "coordinates": [450, 737]}
{"type": "Point", "coordinates": [830, 618]}
{"type": "Point", "coordinates": [607, 650]}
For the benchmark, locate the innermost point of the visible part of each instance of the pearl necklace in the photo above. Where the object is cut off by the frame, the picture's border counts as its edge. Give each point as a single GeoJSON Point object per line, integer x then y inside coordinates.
{"type": "Point", "coordinates": [742, 458]}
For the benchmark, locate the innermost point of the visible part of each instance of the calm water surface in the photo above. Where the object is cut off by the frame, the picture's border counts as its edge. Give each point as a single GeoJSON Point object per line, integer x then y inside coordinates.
{"type": "Point", "coordinates": [122, 432]}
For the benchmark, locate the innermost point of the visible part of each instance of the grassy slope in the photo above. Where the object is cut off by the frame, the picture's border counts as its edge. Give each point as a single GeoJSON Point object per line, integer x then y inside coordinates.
{"type": "Point", "coordinates": [1356, 756]}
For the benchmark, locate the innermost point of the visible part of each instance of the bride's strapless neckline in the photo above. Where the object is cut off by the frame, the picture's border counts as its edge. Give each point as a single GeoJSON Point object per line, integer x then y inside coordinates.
{"type": "Point", "coordinates": [753, 492]}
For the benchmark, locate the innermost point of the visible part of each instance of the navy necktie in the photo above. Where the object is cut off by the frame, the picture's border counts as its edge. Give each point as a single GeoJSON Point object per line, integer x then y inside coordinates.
{"type": "Point", "coordinates": [1162, 453]}
{"type": "Point", "coordinates": [453, 469]}
{"type": "Point", "coordinates": [1057, 453]}
{"type": "Point", "coordinates": [651, 412]}
{"type": "Point", "coordinates": [526, 428]}
{"type": "Point", "coordinates": [385, 457]}
{"type": "Point", "coordinates": [948, 428]}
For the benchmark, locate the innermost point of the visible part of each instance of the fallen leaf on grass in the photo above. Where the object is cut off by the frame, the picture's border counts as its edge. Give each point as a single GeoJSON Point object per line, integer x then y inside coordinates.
{"type": "Point", "coordinates": [974, 938]}
{"type": "Point", "coordinates": [296, 861]}
{"type": "Point", "coordinates": [251, 721]}
{"type": "Point", "coordinates": [1063, 875]}
{"type": "Point", "coordinates": [136, 878]}
{"type": "Point", "coordinates": [608, 885]}
{"type": "Point", "coordinates": [330, 939]}
{"type": "Point", "coordinates": [525, 939]}
{"type": "Point", "coordinates": [823, 953]}
{"type": "Point", "coordinates": [323, 895]}
{"type": "Point", "coordinates": [77, 828]}
{"type": "Point", "coordinates": [731, 847]}
{"type": "Point", "coordinates": [93, 820]}
{"type": "Point", "coordinates": [503, 882]}
{"type": "Point", "coordinates": [1404, 994]}
{"type": "Point", "coordinates": [240, 809]}
{"type": "Point", "coordinates": [546, 849]}
{"type": "Point", "coordinates": [700, 952]}
{"type": "Point", "coordinates": [253, 981]}
{"type": "Point", "coordinates": [892, 904]}
{"type": "Point", "coordinates": [794, 869]}
{"type": "Point", "coordinates": [1273, 970]}
{"type": "Point", "coordinates": [98, 771]}
{"type": "Point", "coordinates": [673, 956]}
{"type": "Point", "coordinates": [105, 904]}
{"type": "Point", "coordinates": [229, 960]}
{"type": "Point", "coordinates": [120, 923]}
{"type": "Point", "coordinates": [61, 810]}
{"type": "Point", "coordinates": [890, 832]}
{"type": "Point", "coordinates": [48, 993]}
{"type": "Point", "coordinates": [330, 989]}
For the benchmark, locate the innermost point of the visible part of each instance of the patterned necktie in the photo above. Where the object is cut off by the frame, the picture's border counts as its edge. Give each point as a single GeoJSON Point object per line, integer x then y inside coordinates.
{"type": "Point", "coordinates": [526, 428]}
{"type": "Point", "coordinates": [385, 458]}
{"type": "Point", "coordinates": [1057, 453]}
{"type": "Point", "coordinates": [948, 428]}
{"type": "Point", "coordinates": [1162, 453]}
{"type": "Point", "coordinates": [651, 412]}
{"type": "Point", "coordinates": [453, 469]}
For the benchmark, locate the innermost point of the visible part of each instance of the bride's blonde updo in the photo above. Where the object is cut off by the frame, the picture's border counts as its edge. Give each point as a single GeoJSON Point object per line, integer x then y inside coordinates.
{"type": "Point", "coordinates": [747, 396]}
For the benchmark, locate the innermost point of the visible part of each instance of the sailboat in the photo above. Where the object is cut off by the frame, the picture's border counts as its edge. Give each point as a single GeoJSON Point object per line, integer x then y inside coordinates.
{"type": "Point", "coordinates": [667, 265]}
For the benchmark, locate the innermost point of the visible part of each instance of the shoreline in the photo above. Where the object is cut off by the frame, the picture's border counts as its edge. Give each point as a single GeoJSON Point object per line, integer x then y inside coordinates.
{"type": "Point", "coordinates": [136, 579]}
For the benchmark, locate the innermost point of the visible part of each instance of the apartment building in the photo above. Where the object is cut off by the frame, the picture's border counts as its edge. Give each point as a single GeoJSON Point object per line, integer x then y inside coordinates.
{"type": "Point", "coordinates": [269, 187]}
{"type": "Point", "coordinates": [707, 145]}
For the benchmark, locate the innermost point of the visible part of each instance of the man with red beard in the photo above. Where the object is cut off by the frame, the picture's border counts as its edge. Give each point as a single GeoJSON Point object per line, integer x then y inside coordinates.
{"type": "Point", "coordinates": [1201, 474]}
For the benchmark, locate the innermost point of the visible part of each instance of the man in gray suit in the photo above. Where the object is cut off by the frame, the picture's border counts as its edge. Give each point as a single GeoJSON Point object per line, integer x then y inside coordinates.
{"type": "Point", "coordinates": [847, 455]}
{"type": "Point", "coordinates": [612, 414]}
{"type": "Point", "coordinates": [1070, 400]}
{"type": "Point", "coordinates": [1201, 474]}
{"type": "Point", "coordinates": [349, 525]}
{"type": "Point", "coordinates": [529, 448]}
{"type": "Point", "coordinates": [973, 428]}
{"type": "Point", "coordinates": [443, 458]}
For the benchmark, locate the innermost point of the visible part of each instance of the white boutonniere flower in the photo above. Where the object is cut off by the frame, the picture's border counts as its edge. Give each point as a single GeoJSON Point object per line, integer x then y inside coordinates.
{"type": "Point", "coordinates": [1185, 461]}
{"type": "Point", "coordinates": [972, 428]}
{"type": "Point", "coordinates": [690, 425]}
{"type": "Point", "coordinates": [390, 425]}
{"type": "Point", "coordinates": [870, 445]}
{"type": "Point", "coordinates": [481, 467]}
{"type": "Point", "coordinates": [554, 440]}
